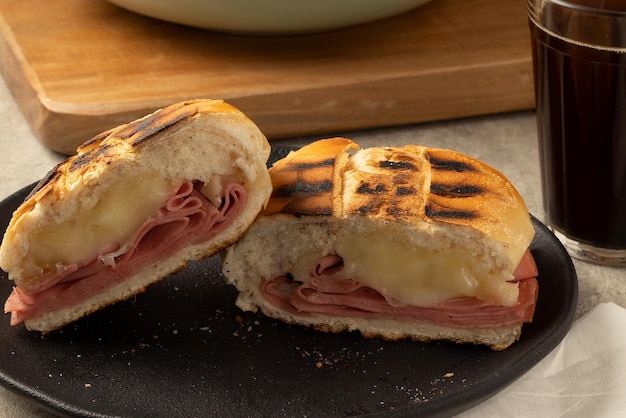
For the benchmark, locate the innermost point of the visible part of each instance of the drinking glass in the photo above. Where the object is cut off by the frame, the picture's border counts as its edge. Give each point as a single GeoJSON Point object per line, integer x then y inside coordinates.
{"type": "Point", "coordinates": [579, 62]}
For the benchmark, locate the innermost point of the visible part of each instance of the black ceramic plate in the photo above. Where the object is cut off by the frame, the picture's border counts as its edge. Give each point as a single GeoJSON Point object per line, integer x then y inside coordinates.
{"type": "Point", "coordinates": [184, 349]}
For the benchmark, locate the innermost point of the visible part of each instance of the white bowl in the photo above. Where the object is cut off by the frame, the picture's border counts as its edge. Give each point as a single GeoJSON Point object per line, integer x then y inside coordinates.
{"type": "Point", "coordinates": [269, 16]}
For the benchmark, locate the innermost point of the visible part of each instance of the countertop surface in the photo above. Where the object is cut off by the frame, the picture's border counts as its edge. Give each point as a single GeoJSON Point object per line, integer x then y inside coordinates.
{"type": "Point", "coordinates": [505, 141]}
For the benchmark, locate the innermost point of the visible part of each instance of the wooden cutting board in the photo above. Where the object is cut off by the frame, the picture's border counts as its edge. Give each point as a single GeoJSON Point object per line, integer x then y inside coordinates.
{"type": "Point", "coordinates": [78, 67]}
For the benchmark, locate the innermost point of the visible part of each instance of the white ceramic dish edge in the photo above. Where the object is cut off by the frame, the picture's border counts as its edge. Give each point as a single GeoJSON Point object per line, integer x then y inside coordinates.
{"type": "Point", "coordinates": [269, 16]}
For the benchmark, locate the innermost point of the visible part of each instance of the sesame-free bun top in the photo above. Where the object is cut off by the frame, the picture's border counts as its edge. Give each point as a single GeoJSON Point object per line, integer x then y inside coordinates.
{"type": "Point", "coordinates": [413, 184]}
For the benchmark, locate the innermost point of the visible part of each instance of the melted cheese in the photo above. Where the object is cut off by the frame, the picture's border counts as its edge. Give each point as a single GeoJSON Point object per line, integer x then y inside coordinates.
{"type": "Point", "coordinates": [212, 190]}
{"type": "Point", "coordinates": [414, 276]}
{"type": "Point", "coordinates": [113, 221]}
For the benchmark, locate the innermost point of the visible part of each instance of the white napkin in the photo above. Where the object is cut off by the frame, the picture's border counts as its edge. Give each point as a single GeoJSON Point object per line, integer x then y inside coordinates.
{"type": "Point", "coordinates": [584, 376]}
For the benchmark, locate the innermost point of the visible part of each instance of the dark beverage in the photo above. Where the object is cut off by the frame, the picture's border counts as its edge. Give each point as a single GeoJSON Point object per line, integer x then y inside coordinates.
{"type": "Point", "coordinates": [581, 108]}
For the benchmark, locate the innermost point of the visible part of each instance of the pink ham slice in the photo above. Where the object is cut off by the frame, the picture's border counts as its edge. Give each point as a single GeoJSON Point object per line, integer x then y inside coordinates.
{"type": "Point", "coordinates": [187, 218]}
{"type": "Point", "coordinates": [349, 298]}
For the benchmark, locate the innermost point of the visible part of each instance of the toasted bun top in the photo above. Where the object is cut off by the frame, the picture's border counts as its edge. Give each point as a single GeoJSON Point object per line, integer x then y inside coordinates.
{"type": "Point", "coordinates": [161, 140]}
{"type": "Point", "coordinates": [193, 140]}
{"type": "Point", "coordinates": [417, 185]}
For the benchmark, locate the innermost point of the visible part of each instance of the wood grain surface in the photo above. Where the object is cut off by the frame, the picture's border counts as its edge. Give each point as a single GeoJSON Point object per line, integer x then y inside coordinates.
{"type": "Point", "coordinates": [78, 67]}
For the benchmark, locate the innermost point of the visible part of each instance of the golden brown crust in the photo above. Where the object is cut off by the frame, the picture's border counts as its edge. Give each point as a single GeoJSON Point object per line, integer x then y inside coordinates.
{"type": "Point", "coordinates": [110, 145]}
{"type": "Point", "coordinates": [305, 182]}
{"type": "Point", "coordinates": [412, 183]}
{"type": "Point", "coordinates": [465, 191]}
{"type": "Point", "coordinates": [385, 183]}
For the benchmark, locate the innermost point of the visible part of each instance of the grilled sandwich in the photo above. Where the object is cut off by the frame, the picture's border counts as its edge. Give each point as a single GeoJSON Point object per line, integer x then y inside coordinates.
{"type": "Point", "coordinates": [396, 243]}
{"type": "Point", "coordinates": [132, 206]}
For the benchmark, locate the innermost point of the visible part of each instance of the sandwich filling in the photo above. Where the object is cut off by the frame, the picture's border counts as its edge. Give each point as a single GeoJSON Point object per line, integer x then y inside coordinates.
{"type": "Point", "coordinates": [442, 294]}
{"type": "Point", "coordinates": [412, 275]}
{"type": "Point", "coordinates": [121, 210]}
{"type": "Point", "coordinates": [125, 238]}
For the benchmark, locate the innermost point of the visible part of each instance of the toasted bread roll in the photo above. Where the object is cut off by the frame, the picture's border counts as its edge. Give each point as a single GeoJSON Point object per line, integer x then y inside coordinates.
{"type": "Point", "coordinates": [132, 206]}
{"type": "Point", "coordinates": [410, 242]}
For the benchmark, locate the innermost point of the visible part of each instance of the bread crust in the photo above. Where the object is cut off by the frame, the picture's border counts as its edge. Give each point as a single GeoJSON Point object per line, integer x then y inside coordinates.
{"type": "Point", "coordinates": [193, 140]}
{"type": "Point", "coordinates": [414, 184]}
{"type": "Point", "coordinates": [424, 197]}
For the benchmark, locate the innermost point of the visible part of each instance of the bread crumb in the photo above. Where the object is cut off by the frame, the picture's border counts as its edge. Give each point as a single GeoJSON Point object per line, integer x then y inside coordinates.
{"type": "Point", "coordinates": [448, 375]}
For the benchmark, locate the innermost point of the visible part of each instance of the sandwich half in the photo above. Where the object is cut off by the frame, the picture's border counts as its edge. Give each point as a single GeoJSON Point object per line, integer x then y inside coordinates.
{"type": "Point", "coordinates": [132, 206]}
{"type": "Point", "coordinates": [397, 243]}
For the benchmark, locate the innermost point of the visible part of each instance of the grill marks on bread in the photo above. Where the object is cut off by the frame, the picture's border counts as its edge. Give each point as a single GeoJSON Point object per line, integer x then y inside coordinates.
{"type": "Point", "coordinates": [306, 182]}
{"type": "Point", "coordinates": [135, 132]}
{"type": "Point", "coordinates": [448, 165]}
{"type": "Point", "coordinates": [452, 188]}
{"type": "Point", "coordinates": [132, 134]}
{"type": "Point", "coordinates": [398, 183]}
{"type": "Point", "coordinates": [383, 182]}
{"type": "Point", "coordinates": [306, 188]}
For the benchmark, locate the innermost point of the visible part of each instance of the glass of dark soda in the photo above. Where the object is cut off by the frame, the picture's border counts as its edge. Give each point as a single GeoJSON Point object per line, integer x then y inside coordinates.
{"type": "Point", "coordinates": [579, 60]}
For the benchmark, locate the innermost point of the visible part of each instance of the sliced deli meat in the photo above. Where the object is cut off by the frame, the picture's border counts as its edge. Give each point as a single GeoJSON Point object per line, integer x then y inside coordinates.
{"type": "Point", "coordinates": [325, 294]}
{"type": "Point", "coordinates": [187, 218]}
